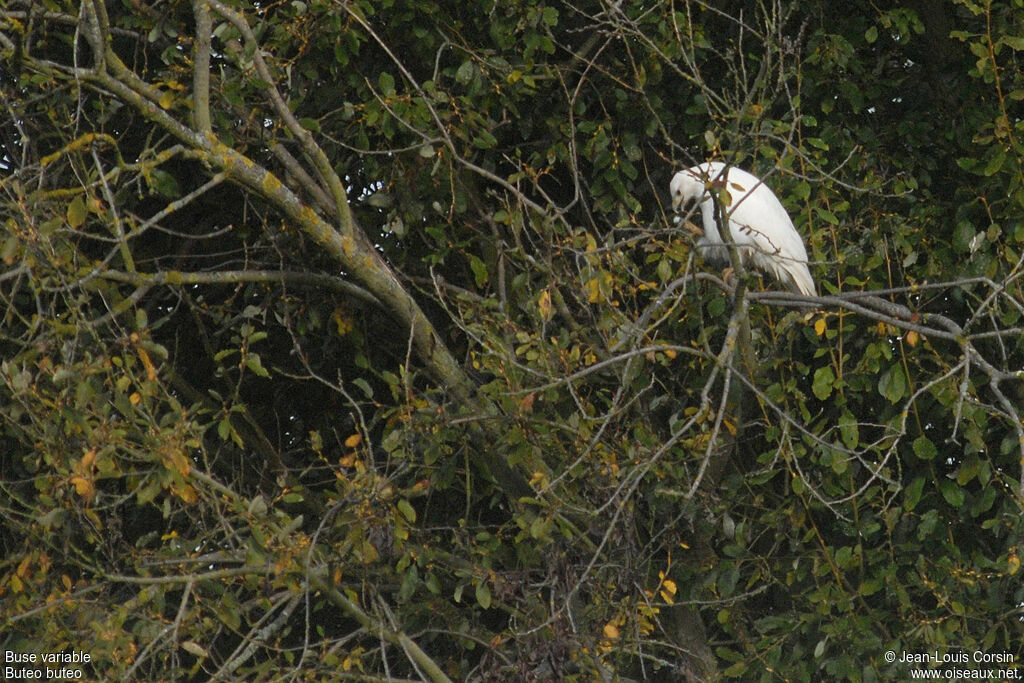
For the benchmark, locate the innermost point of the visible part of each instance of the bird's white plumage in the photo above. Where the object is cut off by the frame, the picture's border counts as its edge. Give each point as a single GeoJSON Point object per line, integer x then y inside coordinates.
{"type": "Point", "coordinates": [762, 231]}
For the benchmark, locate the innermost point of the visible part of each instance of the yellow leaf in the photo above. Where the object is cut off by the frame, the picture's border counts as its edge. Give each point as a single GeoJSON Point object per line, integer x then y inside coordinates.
{"type": "Point", "coordinates": [76, 212]}
{"type": "Point", "coordinates": [83, 486]}
{"type": "Point", "coordinates": [593, 289]}
{"type": "Point", "coordinates": [178, 460]}
{"type": "Point", "coordinates": [135, 398]}
{"type": "Point", "coordinates": [66, 581]}
{"type": "Point", "coordinates": [192, 647]}
{"type": "Point", "coordinates": [544, 304]}
{"type": "Point", "coordinates": [353, 441]}
{"type": "Point", "coordinates": [344, 322]}
{"type": "Point", "coordinates": [912, 337]}
{"type": "Point", "coordinates": [820, 326]}
{"type": "Point", "coordinates": [611, 631]}
{"type": "Point", "coordinates": [1012, 564]}
{"type": "Point", "coordinates": [151, 371]}
{"type": "Point", "coordinates": [167, 99]}
{"type": "Point", "coordinates": [88, 458]}
{"type": "Point", "coordinates": [670, 586]}
{"type": "Point", "coordinates": [187, 494]}
{"type": "Point", "coordinates": [369, 553]}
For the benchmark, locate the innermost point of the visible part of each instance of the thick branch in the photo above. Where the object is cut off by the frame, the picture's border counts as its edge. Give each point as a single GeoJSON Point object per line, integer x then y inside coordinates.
{"type": "Point", "coordinates": [341, 239]}
{"type": "Point", "coordinates": [201, 68]}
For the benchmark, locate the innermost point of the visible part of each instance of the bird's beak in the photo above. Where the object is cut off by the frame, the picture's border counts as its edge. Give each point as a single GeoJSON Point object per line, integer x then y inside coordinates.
{"type": "Point", "coordinates": [682, 210]}
{"type": "Point", "coordinates": [679, 209]}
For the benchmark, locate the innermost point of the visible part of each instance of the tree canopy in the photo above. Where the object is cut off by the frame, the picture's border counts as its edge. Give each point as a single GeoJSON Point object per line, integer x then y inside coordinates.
{"type": "Point", "coordinates": [354, 339]}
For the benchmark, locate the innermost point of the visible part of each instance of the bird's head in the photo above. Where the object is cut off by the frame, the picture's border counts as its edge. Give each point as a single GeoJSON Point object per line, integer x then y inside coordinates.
{"type": "Point", "coordinates": [688, 191]}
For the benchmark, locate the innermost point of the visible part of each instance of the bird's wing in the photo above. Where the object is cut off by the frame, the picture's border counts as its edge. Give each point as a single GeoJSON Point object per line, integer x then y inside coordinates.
{"type": "Point", "coordinates": [774, 244]}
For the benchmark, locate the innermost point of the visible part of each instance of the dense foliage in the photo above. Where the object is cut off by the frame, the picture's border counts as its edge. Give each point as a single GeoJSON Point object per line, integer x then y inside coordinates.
{"type": "Point", "coordinates": [353, 339]}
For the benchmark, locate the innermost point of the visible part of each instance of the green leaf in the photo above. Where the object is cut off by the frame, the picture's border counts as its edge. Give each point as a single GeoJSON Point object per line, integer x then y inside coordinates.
{"type": "Point", "coordinates": [893, 384]}
{"type": "Point", "coordinates": [952, 492]}
{"type": "Point", "coordinates": [924, 448]}
{"type": "Point", "coordinates": [224, 353]}
{"type": "Point", "coordinates": [995, 163]}
{"type": "Point", "coordinates": [479, 270]}
{"type": "Point", "coordinates": [253, 362]}
{"type": "Point", "coordinates": [928, 524]}
{"type": "Point", "coordinates": [164, 183]}
{"type": "Point", "coordinates": [727, 581]}
{"type": "Point", "coordinates": [827, 216]}
{"type": "Point", "coordinates": [871, 35]}
{"type": "Point", "coordinates": [823, 380]}
{"type": "Point", "coordinates": [968, 470]}
{"type": "Point", "coordinates": [407, 510]}
{"type": "Point", "coordinates": [224, 429]}
{"type": "Point", "coordinates": [967, 163]}
{"type": "Point", "coordinates": [386, 82]}
{"type": "Point", "coordinates": [849, 430]}
{"type": "Point", "coordinates": [912, 494]}
{"type": "Point", "coordinates": [818, 142]}
{"type": "Point", "coordinates": [484, 140]}
{"type": "Point", "coordinates": [1014, 42]}
{"type": "Point", "coordinates": [465, 72]}
{"type": "Point", "coordinates": [410, 582]}
{"type": "Point", "coordinates": [364, 385]}
{"type": "Point", "coordinates": [483, 595]}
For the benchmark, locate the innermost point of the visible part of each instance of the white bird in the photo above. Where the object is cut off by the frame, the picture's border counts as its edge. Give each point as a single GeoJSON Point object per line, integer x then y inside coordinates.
{"type": "Point", "coordinates": [759, 226]}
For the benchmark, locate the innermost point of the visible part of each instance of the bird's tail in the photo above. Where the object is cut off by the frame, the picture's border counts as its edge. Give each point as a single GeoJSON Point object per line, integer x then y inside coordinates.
{"type": "Point", "coordinates": [801, 279]}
